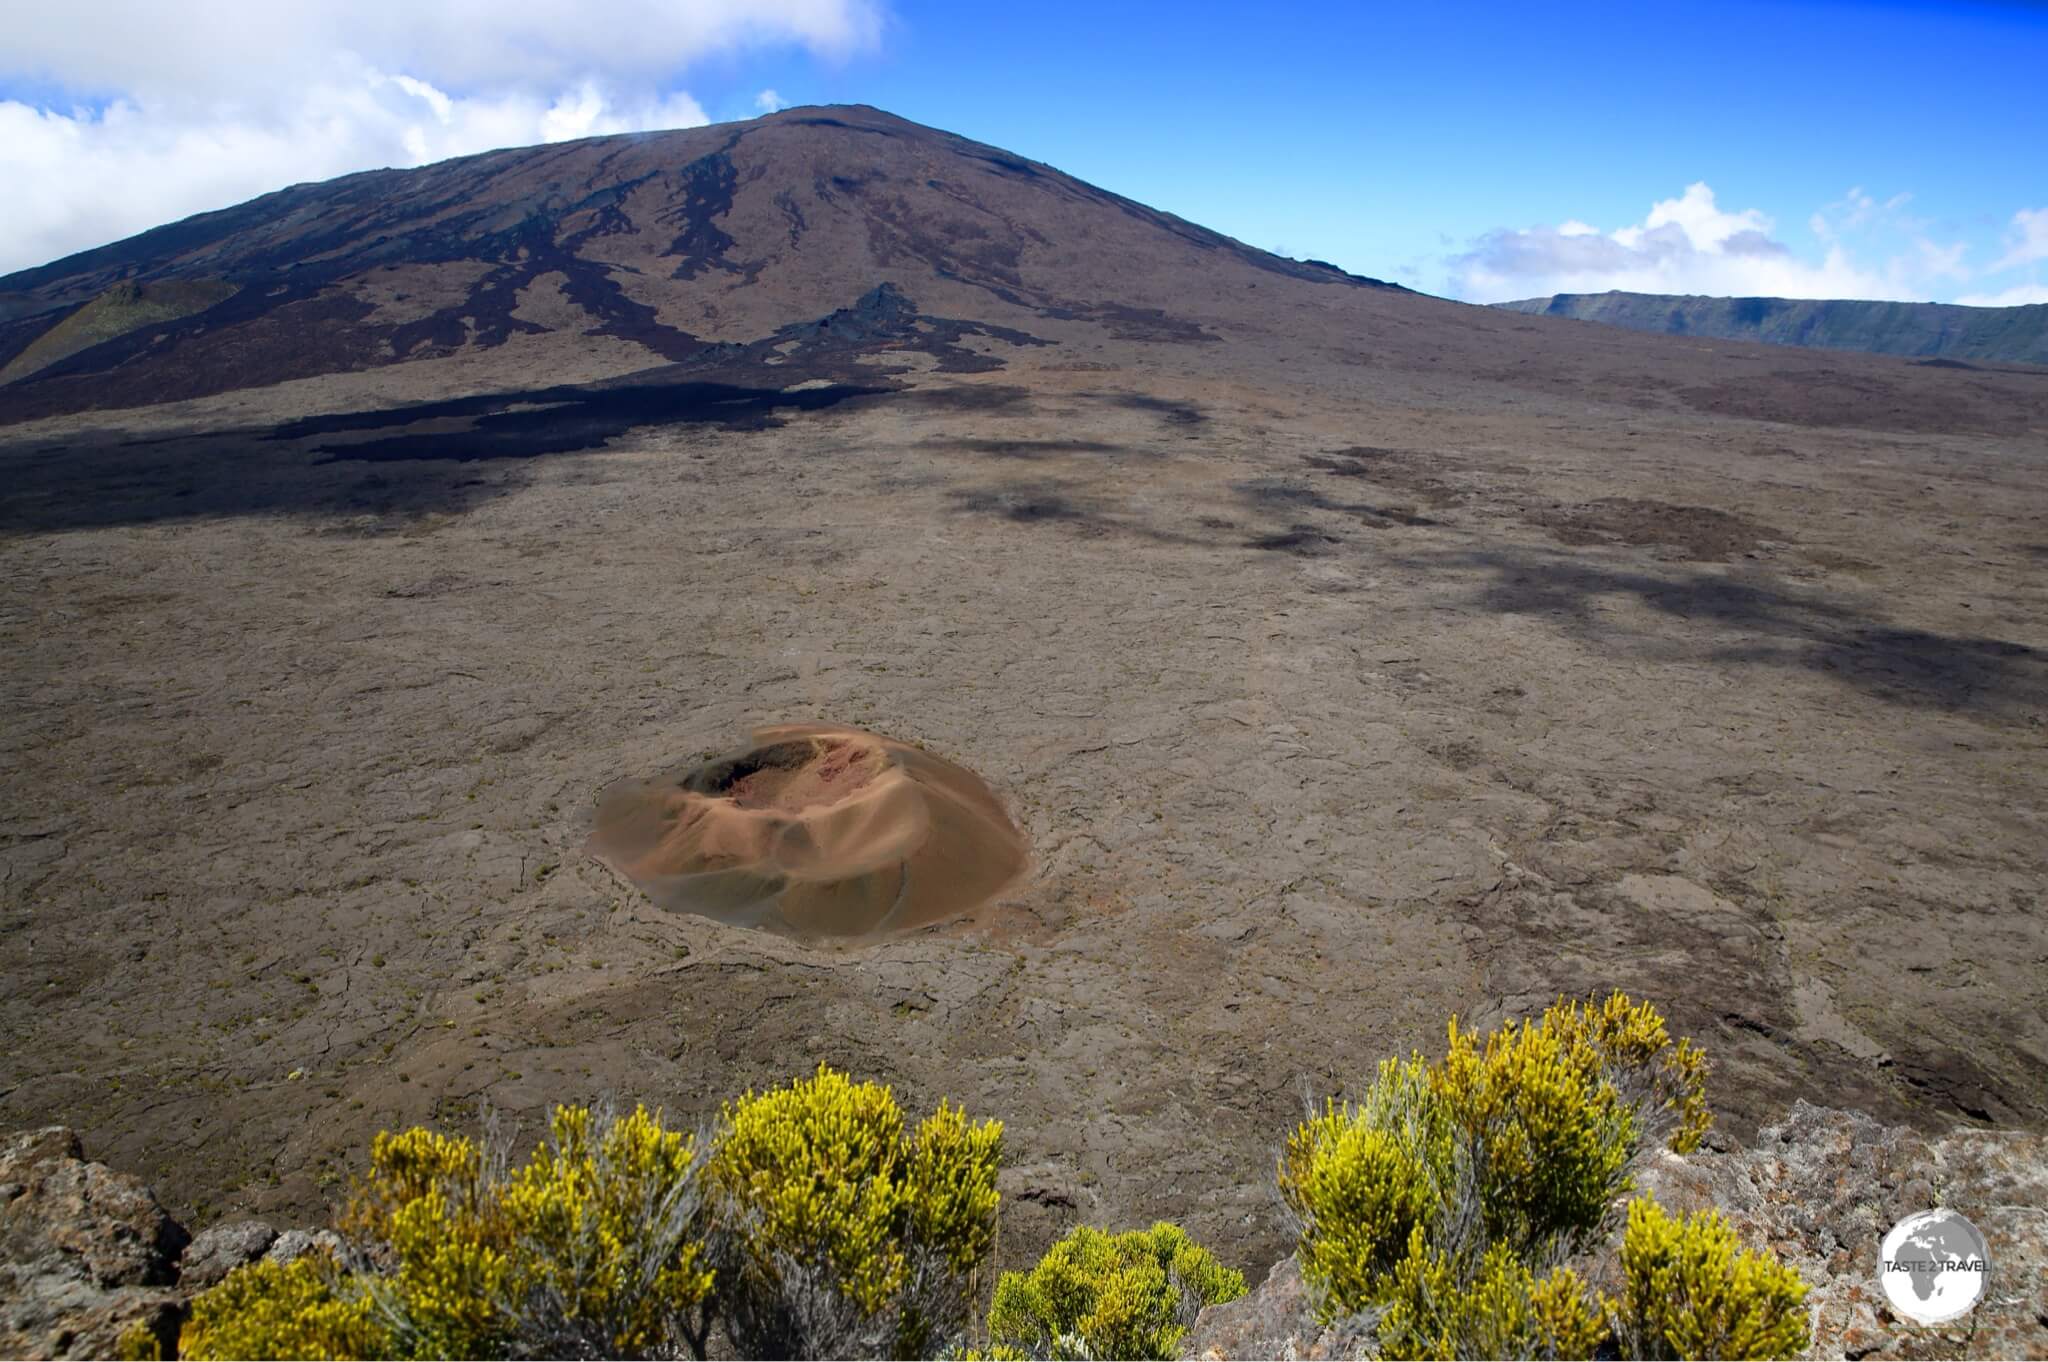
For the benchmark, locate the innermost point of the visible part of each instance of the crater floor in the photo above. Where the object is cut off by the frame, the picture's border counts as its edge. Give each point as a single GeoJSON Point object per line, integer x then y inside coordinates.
{"type": "Point", "coordinates": [1330, 702]}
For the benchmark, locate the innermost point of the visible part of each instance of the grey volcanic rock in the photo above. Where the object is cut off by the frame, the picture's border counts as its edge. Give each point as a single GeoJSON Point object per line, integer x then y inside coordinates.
{"type": "Point", "coordinates": [1823, 1187]}
{"type": "Point", "coordinates": [85, 1252]}
{"type": "Point", "coordinates": [1925, 330]}
{"type": "Point", "coordinates": [217, 1251]}
{"type": "Point", "coordinates": [1275, 1320]}
{"type": "Point", "coordinates": [1820, 1190]}
{"type": "Point", "coordinates": [293, 1245]}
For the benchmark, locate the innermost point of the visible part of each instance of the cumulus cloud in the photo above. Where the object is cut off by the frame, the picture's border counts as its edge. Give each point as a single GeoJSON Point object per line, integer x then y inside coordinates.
{"type": "Point", "coordinates": [167, 110]}
{"type": "Point", "coordinates": [2028, 239]}
{"type": "Point", "coordinates": [768, 101]}
{"type": "Point", "coordinates": [1687, 244]}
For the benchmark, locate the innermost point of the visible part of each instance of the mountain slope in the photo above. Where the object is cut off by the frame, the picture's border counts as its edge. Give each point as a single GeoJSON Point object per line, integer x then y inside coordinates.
{"type": "Point", "coordinates": [656, 245]}
{"type": "Point", "coordinates": [2010, 335]}
{"type": "Point", "coordinates": [803, 246]}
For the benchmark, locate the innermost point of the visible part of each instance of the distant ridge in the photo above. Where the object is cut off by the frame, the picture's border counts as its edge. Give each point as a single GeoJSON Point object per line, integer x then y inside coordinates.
{"type": "Point", "coordinates": [2009, 335]}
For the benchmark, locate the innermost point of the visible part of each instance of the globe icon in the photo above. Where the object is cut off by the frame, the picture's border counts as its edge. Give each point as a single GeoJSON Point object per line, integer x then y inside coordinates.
{"type": "Point", "coordinates": [1932, 1267]}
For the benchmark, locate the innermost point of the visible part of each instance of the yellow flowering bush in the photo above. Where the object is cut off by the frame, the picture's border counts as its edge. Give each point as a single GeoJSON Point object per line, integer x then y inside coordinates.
{"type": "Point", "coordinates": [1503, 1310]}
{"type": "Point", "coordinates": [305, 1308]}
{"type": "Point", "coordinates": [1436, 1212]}
{"type": "Point", "coordinates": [1098, 1295]}
{"type": "Point", "coordinates": [1361, 1179]}
{"type": "Point", "coordinates": [838, 1232]}
{"type": "Point", "coordinates": [594, 1247]}
{"type": "Point", "coordinates": [1437, 1206]}
{"type": "Point", "coordinates": [605, 1231]}
{"type": "Point", "coordinates": [1688, 1291]}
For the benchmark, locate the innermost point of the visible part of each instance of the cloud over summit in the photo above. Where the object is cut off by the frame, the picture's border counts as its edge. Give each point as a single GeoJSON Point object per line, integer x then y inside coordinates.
{"type": "Point", "coordinates": [144, 113]}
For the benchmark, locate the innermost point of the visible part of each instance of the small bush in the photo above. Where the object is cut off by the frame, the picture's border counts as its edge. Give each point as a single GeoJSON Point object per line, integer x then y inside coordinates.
{"type": "Point", "coordinates": [1098, 1295]}
{"type": "Point", "coordinates": [1433, 1311]}
{"type": "Point", "coordinates": [1361, 1180]}
{"type": "Point", "coordinates": [305, 1308]}
{"type": "Point", "coordinates": [1554, 1111]}
{"type": "Point", "coordinates": [837, 1234]}
{"type": "Point", "coordinates": [1688, 1292]}
{"type": "Point", "coordinates": [607, 1255]}
{"type": "Point", "coordinates": [1521, 1138]}
{"type": "Point", "coordinates": [1438, 1210]}
{"type": "Point", "coordinates": [594, 1248]}
{"type": "Point", "coordinates": [139, 1343]}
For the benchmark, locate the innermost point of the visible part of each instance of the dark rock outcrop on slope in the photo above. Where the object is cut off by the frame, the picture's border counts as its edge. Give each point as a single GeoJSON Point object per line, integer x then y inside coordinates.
{"type": "Point", "coordinates": [1986, 335]}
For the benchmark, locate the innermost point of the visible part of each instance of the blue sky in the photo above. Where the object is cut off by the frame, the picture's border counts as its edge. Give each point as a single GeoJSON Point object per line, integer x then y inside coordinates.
{"type": "Point", "coordinates": [1822, 149]}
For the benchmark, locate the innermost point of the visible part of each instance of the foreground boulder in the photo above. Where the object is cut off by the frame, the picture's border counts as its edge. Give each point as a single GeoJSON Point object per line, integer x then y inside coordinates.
{"type": "Point", "coordinates": [85, 1253]}
{"type": "Point", "coordinates": [1277, 1319]}
{"type": "Point", "coordinates": [216, 1252]}
{"type": "Point", "coordinates": [1819, 1190]}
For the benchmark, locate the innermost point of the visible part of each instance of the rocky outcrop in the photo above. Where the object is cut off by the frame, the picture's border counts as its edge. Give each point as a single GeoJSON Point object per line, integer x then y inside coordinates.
{"type": "Point", "coordinates": [85, 1253]}
{"type": "Point", "coordinates": [1819, 1190]}
{"type": "Point", "coordinates": [296, 1244]}
{"type": "Point", "coordinates": [1276, 1320]}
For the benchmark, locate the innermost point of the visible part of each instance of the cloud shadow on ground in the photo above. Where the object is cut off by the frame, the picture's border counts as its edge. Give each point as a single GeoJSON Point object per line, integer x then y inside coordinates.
{"type": "Point", "coordinates": [1751, 621]}
{"type": "Point", "coordinates": [395, 463]}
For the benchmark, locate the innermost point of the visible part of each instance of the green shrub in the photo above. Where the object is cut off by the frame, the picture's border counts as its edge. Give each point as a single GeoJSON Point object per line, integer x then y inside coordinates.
{"type": "Point", "coordinates": [305, 1308]}
{"type": "Point", "coordinates": [1553, 1112]}
{"type": "Point", "coordinates": [1435, 1211]}
{"type": "Point", "coordinates": [1433, 1311]}
{"type": "Point", "coordinates": [1688, 1292]}
{"type": "Point", "coordinates": [593, 1248]}
{"type": "Point", "coordinates": [139, 1343]}
{"type": "Point", "coordinates": [840, 1235]}
{"type": "Point", "coordinates": [1361, 1180]}
{"type": "Point", "coordinates": [1520, 1139]}
{"type": "Point", "coordinates": [1097, 1295]}
{"type": "Point", "coordinates": [607, 1256]}
{"type": "Point", "coordinates": [816, 1226]}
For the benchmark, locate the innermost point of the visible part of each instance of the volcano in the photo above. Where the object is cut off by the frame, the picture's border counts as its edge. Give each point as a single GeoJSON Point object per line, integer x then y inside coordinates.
{"type": "Point", "coordinates": [797, 241]}
{"type": "Point", "coordinates": [1274, 663]}
{"type": "Point", "coordinates": [620, 252]}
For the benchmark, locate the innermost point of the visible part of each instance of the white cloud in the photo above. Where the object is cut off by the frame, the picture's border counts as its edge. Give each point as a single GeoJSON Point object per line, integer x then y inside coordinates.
{"type": "Point", "coordinates": [1699, 219]}
{"type": "Point", "coordinates": [2028, 238]}
{"type": "Point", "coordinates": [1855, 211]}
{"type": "Point", "coordinates": [1690, 244]}
{"type": "Point", "coordinates": [253, 49]}
{"type": "Point", "coordinates": [175, 109]}
{"type": "Point", "coordinates": [768, 101]}
{"type": "Point", "coordinates": [2017, 296]}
